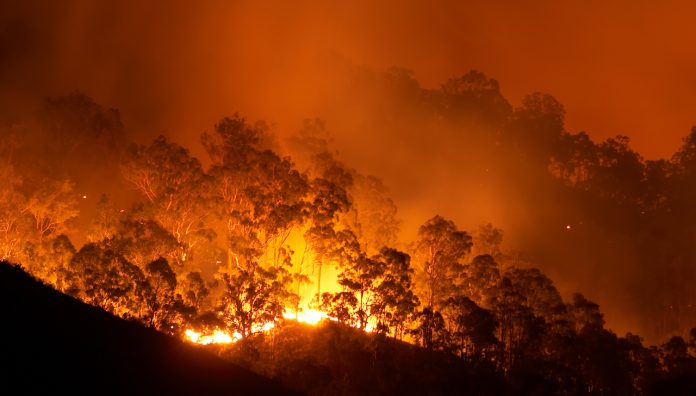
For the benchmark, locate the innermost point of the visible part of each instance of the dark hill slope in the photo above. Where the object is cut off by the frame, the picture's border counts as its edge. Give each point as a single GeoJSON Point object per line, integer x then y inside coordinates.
{"type": "Point", "coordinates": [334, 359]}
{"type": "Point", "coordinates": [52, 343]}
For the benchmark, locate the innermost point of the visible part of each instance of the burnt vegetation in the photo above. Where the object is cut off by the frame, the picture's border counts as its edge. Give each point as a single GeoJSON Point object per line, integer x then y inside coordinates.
{"type": "Point", "coordinates": [264, 227]}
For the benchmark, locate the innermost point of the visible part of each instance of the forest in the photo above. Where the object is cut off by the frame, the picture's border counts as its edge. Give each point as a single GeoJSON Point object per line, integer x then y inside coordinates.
{"type": "Point", "coordinates": [268, 230]}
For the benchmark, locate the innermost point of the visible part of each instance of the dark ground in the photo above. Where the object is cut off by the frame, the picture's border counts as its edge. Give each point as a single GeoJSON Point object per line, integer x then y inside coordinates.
{"type": "Point", "coordinates": [52, 343]}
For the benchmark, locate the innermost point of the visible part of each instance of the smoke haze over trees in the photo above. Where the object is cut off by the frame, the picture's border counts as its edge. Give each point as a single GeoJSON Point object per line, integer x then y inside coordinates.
{"type": "Point", "coordinates": [378, 196]}
{"type": "Point", "coordinates": [237, 243]}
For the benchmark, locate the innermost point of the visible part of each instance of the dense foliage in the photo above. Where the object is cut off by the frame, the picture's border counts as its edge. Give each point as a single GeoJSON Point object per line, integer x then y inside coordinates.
{"type": "Point", "coordinates": [236, 243]}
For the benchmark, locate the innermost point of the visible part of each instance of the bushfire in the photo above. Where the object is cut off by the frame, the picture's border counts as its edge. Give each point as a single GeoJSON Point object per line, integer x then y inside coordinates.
{"type": "Point", "coordinates": [309, 316]}
{"type": "Point", "coordinates": [216, 337]}
{"type": "Point", "coordinates": [254, 239]}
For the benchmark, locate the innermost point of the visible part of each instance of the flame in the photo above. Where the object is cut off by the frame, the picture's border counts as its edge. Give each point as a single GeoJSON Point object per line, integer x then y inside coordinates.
{"type": "Point", "coordinates": [217, 337]}
{"type": "Point", "coordinates": [265, 327]}
{"type": "Point", "coordinates": [309, 316]}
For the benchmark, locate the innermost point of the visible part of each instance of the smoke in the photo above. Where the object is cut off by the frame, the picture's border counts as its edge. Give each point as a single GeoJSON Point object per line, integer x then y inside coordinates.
{"type": "Point", "coordinates": [176, 68]}
{"type": "Point", "coordinates": [157, 62]}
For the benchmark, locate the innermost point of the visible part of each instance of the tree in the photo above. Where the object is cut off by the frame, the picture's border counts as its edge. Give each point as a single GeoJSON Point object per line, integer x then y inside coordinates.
{"type": "Point", "coordinates": [536, 128]}
{"type": "Point", "coordinates": [479, 280]}
{"type": "Point", "coordinates": [354, 304]}
{"type": "Point", "coordinates": [278, 202]}
{"type": "Point", "coordinates": [345, 307]}
{"type": "Point", "coordinates": [619, 171]}
{"type": "Point", "coordinates": [476, 97]}
{"type": "Point", "coordinates": [253, 298]}
{"type": "Point", "coordinates": [194, 291]}
{"type": "Point", "coordinates": [14, 224]}
{"type": "Point", "coordinates": [60, 254]}
{"type": "Point", "coordinates": [394, 300]}
{"type": "Point", "coordinates": [656, 192]}
{"type": "Point", "coordinates": [49, 210]}
{"type": "Point", "coordinates": [376, 291]}
{"type": "Point", "coordinates": [75, 134]}
{"type": "Point", "coordinates": [142, 241]}
{"type": "Point", "coordinates": [472, 328]}
{"type": "Point", "coordinates": [519, 331]}
{"type": "Point", "coordinates": [177, 191]}
{"type": "Point", "coordinates": [160, 295]}
{"type": "Point", "coordinates": [431, 332]}
{"type": "Point", "coordinates": [645, 363]}
{"type": "Point", "coordinates": [326, 201]}
{"type": "Point", "coordinates": [357, 275]}
{"type": "Point", "coordinates": [78, 125]}
{"type": "Point", "coordinates": [540, 294]}
{"type": "Point", "coordinates": [234, 142]}
{"type": "Point", "coordinates": [103, 278]}
{"type": "Point", "coordinates": [585, 314]}
{"type": "Point", "coordinates": [52, 205]}
{"type": "Point", "coordinates": [685, 157]}
{"type": "Point", "coordinates": [574, 159]}
{"type": "Point", "coordinates": [488, 240]}
{"type": "Point", "coordinates": [438, 251]}
{"type": "Point", "coordinates": [106, 221]}
{"type": "Point", "coordinates": [311, 140]}
{"type": "Point", "coordinates": [258, 194]}
{"type": "Point", "coordinates": [372, 215]}
{"type": "Point", "coordinates": [675, 357]}
{"type": "Point", "coordinates": [260, 198]}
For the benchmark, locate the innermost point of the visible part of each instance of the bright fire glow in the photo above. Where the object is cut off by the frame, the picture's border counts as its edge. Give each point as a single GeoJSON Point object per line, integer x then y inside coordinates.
{"type": "Point", "coordinates": [266, 327]}
{"type": "Point", "coordinates": [217, 337]}
{"type": "Point", "coordinates": [221, 337]}
{"type": "Point", "coordinates": [309, 316]}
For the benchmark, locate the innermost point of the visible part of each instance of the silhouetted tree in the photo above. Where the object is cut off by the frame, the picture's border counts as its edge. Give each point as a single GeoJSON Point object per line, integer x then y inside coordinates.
{"type": "Point", "coordinates": [253, 298]}
{"type": "Point", "coordinates": [177, 191]}
{"type": "Point", "coordinates": [375, 291]}
{"type": "Point", "coordinates": [476, 99]}
{"type": "Point", "coordinates": [160, 295]}
{"type": "Point", "coordinates": [107, 280]}
{"type": "Point", "coordinates": [585, 314]}
{"type": "Point", "coordinates": [430, 331]}
{"type": "Point", "coordinates": [540, 295]}
{"type": "Point", "coordinates": [438, 251]}
{"type": "Point", "coordinates": [14, 225]}
{"type": "Point", "coordinates": [395, 302]}
{"type": "Point", "coordinates": [372, 216]}
{"type": "Point", "coordinates": [487, 240]}
{"type": "Point", "coordinates": [479, 280]}
{"type": "Point", "coordinates": [537, 126]}
{"type": "Point", "coordinates": [472, 328]}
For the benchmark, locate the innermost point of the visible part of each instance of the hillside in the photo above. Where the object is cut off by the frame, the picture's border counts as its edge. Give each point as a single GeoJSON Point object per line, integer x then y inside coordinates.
{"type": "Point", "coordinates": [53, 343]}
{"type": "Point", "coordinates": [334, 359]}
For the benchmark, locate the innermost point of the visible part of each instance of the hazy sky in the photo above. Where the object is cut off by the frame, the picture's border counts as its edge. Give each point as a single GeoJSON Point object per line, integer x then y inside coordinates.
{"type": "Point", "coordinates": [619, 67]}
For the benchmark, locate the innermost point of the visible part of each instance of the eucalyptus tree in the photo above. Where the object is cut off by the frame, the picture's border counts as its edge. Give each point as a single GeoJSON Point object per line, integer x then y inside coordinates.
{"type": "Point", "coordinates": [439, 252]}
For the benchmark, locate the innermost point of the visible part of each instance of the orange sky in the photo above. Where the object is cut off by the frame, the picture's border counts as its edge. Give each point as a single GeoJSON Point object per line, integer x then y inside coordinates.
{"type": "Point", "coordinates": [620, 67]}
